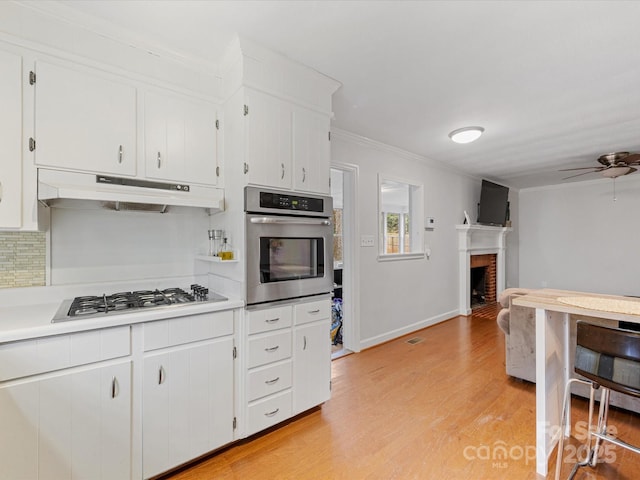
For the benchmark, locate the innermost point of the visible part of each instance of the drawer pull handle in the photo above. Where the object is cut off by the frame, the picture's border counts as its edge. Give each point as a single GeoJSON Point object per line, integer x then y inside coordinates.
{"type": "Point", "coordinates": [114, 387]}
{"type": "Point", "coordinates": [305, 342]}
{"type": "Point", "coordinates": [313, 312]}
{"type": "Point", "coordinates": [271, 414]}
{"type": "Point", "coordinates": [161, 375]}
{"type": "Point", "coordinates": [120, 153]}
{"type": "Point", "coordinates": [272, 320]}
{"type": "Point", "coordinates": [272, 349]}
{"type": "Point", "coordinates": [271, 382]}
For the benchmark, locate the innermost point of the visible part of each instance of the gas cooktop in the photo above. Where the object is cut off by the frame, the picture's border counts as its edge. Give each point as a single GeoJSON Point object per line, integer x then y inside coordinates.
{"type": "Point", "coordinates": [126, 302]}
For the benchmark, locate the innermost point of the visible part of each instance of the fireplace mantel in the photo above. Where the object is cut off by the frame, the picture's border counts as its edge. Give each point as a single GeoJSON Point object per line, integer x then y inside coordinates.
{"type": "Point", "coordinates": [479, 240]}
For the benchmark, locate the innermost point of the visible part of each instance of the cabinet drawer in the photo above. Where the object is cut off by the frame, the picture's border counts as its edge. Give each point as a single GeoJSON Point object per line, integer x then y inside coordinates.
{"type": "Point", "coordinates": [267, 380]}
{"type": "Point", "coordinates": [31, 357]}
{"type": "Point", "coordinates": [181, 330]}
{"type": "Point", "coordinates": [269, 319]}
{"type": "Point", "coordinates": [309, 312]}
{"type": "Point", "coordinates": [269, 348]}
{"type": "Point", "coordinates": [269, 411]}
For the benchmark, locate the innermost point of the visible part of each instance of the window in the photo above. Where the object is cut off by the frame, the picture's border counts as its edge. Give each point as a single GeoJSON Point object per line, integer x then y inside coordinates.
{"type": "Point", "coordinates": [401, 225]}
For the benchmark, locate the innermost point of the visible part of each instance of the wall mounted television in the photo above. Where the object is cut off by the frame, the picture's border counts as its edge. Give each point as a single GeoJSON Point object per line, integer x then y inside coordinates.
{"type": "Point", "coordinates": [494, 205]}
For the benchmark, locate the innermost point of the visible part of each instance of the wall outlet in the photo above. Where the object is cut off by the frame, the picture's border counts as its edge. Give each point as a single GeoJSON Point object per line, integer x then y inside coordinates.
{"type": "Point", "coordinates": [367, 241]}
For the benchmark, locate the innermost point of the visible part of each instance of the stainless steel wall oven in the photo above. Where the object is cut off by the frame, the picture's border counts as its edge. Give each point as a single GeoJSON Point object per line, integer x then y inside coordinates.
{"type": "Point", "coordinates": [289, 245]}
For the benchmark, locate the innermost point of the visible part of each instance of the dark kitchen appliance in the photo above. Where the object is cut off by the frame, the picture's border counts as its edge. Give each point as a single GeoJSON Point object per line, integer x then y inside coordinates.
{"type": "Point", "coordinates": [289, 244]}
{"type": "Point", "coordinates": [127, 302]}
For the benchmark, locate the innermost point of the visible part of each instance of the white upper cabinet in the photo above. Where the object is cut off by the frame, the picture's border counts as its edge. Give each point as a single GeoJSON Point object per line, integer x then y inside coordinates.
{"type": "Point", "coordinates": [10, 140]}
{"type": "Point", "coordinates": [84, 120]}
{"type": "Point", "coordinates": [180, 139]}
{"type": "Point", "coordinates": [311, 151]}
{"type": "Point", "coordinates": [268, 132]}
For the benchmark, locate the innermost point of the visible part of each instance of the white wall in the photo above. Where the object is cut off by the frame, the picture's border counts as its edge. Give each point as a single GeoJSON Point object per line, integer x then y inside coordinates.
{"type": "Point", "coordinates": [576, 237]}
{"type": "Point", "coordinates": [397, 297]}
{"type": "Point", "coordinates": [105, 246]}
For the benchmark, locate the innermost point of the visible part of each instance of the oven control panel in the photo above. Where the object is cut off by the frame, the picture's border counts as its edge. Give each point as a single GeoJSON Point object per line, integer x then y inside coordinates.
{"type": "Point", "coordinates": [278, 202]}
{"type": "Point", "coordinates": [290, 202]}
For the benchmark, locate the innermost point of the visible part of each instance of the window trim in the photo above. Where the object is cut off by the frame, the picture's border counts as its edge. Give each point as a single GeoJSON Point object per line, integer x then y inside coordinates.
{"type": "Point", "coordinates": [416, 211]}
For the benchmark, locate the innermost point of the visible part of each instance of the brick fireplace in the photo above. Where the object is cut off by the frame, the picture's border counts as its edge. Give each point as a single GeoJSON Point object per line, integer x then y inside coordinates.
{"type": "Point", "coordinates": [484, 247]}
{"type": "Point", "coordinates": [482, 287]}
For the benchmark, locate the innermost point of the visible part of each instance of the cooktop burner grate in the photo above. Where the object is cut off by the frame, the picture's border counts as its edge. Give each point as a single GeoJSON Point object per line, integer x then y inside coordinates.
{"type": "Point", "coordinates": [88, 306]}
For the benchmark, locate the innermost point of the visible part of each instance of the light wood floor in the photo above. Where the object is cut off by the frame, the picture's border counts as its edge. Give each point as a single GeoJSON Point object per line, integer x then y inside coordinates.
{"type": "Point", "coordinates": [438, 409]}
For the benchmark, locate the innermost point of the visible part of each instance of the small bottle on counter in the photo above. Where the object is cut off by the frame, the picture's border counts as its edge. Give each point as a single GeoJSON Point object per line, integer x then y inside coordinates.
{"type": "Point", "coordinates": [212, 244]}
{"type": "Point", "coordinates": [226, 253]}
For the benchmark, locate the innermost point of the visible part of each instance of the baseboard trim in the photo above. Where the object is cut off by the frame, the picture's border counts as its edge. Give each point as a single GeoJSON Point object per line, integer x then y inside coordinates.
{"type": "Point", "coordinates": [393, 334]}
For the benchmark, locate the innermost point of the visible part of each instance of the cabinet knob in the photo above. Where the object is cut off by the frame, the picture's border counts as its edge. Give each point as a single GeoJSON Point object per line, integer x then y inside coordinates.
{"type": "Point", "coordinates": [159, 160]}
{"type": "Point", "coordinates": [282, 174]}
{"type": "Point", "coordinates": [304, 337]}
{"type": "Point", "coordinates": [161, 375]}
{"type": "Point", "coordinates": [272, 349]}
{"type": "Point", "coordinates": [271, 414]}
{"type": "Point", "coordinates": [304, 174]}
{"type": "Point", "coordinates": [0, 192]}
{"type": "Point", "coordinates": [120, 154]}
{"type": "Point", "coordinates": [272, 320]}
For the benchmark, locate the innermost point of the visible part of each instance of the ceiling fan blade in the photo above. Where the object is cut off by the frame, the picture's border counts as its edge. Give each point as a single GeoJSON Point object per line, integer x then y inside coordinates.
{"type": "Point", "coordinates": [583, 173]}
{"type": "Point", "coordinates": [595, 169]}
{"type": "Point", "coordinates": [633, 159]}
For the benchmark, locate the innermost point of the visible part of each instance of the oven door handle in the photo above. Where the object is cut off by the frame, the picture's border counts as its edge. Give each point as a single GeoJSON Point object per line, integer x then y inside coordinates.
{"type": "Point", "coordinates": [290, 221]}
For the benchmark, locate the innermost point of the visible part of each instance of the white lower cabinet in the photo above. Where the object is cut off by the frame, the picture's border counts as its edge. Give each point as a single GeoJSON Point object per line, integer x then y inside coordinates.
{"type": "Point", "coordinates": [312, 365]}
{"type": "Point", "coordinates": [187, 392]}
{"type": "Point", "coordinates": [288, 360]}
{"type": "Point", "coordinates": [68, 425]}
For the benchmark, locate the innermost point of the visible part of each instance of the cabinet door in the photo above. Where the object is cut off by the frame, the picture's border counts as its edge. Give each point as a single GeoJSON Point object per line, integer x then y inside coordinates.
{"type": "Point", "coordinates": [10, 140]}
{"type": "Point", "coordinates": [187, 404]}
{"type": "Point", "coordinates": [268, 140]}
{"type": "Point", "coordinates": [180, 139]}
{"type": "Point", "coordinates": [84, 121]}
{"type": "Point", "coordinates": [68, 426]}
{"type": "Point", "coordinates": [311, 151]}
{"type": "Point", "coordinates": [311, 365]}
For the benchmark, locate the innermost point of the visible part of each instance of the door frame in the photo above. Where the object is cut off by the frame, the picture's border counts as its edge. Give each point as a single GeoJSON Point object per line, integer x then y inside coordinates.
{"type": "Point", "coordinates": [351, 256]}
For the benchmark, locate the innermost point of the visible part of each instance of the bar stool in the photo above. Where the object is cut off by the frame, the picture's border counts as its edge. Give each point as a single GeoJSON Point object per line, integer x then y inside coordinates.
{"type": "Point", "coordinates": [610, 359]}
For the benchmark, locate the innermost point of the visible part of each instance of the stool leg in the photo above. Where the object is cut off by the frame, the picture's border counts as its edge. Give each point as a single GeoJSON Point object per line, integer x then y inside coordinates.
{"type": "Point", "coordinates": [603, 417]}
{"type": "Point", "coordinates": [566, 406]}
{"type": "Point", "coordinates": [565, 414]}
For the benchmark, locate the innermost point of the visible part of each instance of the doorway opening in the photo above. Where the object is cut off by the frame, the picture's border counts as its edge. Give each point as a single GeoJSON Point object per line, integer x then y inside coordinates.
{"type": "Point", "coordinates": [342, 321]}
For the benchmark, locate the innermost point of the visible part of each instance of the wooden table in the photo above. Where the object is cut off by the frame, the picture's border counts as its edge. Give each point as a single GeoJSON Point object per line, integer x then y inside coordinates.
{"type": "Point", "coordinates": [552, 359]}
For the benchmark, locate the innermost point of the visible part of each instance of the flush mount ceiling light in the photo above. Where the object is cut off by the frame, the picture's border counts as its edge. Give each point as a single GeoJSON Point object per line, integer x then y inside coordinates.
{"type": "Point", "coordinates": [466, 134]}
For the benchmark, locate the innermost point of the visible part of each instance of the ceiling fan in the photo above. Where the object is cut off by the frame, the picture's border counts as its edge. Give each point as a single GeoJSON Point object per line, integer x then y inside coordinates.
{"type": "Point", "coordinates": [614, 165]}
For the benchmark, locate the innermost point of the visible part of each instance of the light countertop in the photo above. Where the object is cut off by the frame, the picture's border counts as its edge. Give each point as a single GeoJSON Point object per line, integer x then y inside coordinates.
{"type": "Point", "coordinates": [547, 299]}
{"type": "Point", "coordinates": [22, 322]}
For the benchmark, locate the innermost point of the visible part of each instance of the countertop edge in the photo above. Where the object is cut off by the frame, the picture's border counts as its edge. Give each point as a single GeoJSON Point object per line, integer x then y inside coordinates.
{"type": "Point", "coordinates": [12, 331]}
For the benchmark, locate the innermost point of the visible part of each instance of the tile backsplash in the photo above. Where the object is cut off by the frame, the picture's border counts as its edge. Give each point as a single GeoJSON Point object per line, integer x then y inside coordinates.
{"type": "Point", "coordinates": [22, 259]}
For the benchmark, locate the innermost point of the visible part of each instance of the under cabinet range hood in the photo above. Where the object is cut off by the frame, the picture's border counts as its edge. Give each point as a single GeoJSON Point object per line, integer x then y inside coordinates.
{"type": "Point", "coordinates": [85, 190]}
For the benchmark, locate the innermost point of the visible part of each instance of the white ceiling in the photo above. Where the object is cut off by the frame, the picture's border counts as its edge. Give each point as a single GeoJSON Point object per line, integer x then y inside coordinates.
{"type": "Point", "coordinates": [555, 84]}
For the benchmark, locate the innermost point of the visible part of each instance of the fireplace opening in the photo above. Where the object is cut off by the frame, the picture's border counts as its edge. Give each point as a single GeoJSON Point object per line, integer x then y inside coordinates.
{"type": "Point", "coordinates": [482, 285]}
{"type": "Point", "coordinates": [477, 286]}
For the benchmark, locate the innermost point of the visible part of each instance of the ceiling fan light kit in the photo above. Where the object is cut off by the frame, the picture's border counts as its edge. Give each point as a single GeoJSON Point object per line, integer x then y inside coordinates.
{"type": "Point", "coordinates": [615, 172]}
{"type": "Point", "coordinates": [466, 134]}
